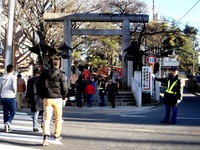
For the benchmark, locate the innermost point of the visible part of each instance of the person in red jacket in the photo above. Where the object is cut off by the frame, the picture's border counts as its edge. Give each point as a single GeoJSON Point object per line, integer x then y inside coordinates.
{"type": "Point", "coordinates": [86, 73]}
{"type": "Point", "coordinates": [90, 91]}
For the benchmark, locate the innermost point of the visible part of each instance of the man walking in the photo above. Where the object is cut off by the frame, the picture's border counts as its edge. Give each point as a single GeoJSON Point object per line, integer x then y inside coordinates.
{"type": "Point", "coordinates": [8, 89]}
{"type": "Point", "coordinates": [35, 101]}
{"type": "Point", "coordinates": [53, 89]}
{"type": "Point", "coordinates": [21, 88]}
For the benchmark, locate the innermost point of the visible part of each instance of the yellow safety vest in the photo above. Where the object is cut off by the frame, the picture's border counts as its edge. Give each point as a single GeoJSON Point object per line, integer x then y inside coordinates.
{"type": "Point", "coordinates": [169, 89]}
{"type": "Point", "coordinates": [100, 86]}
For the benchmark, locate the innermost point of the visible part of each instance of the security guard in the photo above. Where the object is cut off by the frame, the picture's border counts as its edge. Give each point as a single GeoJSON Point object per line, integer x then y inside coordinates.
{"type": "Point", "coordinates": [102, 91]}
{"type": "Point", "coordinates": [172, 96]}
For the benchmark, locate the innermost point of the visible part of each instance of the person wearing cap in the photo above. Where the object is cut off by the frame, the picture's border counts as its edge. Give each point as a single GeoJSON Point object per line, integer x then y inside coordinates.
{"type": "Point", "coordinates": [172, 95]}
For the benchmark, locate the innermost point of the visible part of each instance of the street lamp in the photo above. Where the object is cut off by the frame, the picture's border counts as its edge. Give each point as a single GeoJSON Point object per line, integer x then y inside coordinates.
{"type": "Point", "coordinates": [66, 62]}
{"type": "Point", "coordinates": [64, 50]}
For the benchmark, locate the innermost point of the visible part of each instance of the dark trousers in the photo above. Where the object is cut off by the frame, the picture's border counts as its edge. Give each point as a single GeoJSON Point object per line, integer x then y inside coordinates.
{"type": "Point", "coordinates": [112, 101]}
{"type": "Point", "coordinates": [102, 100]}
{"type": "Point", "coordinates": [79, 99]}
{"type": "Point", "coordinates": [168, 111]}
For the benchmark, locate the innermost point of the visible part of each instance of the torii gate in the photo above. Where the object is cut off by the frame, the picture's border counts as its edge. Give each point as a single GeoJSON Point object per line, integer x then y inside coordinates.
{"type": "Point", "coordinates": [96, 17]}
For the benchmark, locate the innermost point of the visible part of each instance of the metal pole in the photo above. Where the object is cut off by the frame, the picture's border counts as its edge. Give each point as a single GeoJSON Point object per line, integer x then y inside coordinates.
{"type": "Point", "coordinates": [9, 53]}
{"type": "Point", "coordinates": [0, 26]}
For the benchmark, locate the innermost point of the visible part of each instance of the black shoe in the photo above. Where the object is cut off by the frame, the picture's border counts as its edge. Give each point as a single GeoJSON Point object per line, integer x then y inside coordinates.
{"type": "Point", "coordinates": [101, 105]}
{"type": "Point", "coordinates": [172, 123]}
{"type": "Point", "coordinates": [57, 138]}
{"type": "Point", "coordinates": [22, 107]}
{"type": "Point", "coordinates": [163, 121]}
{"type": "Point", "coordinates": [35, 130]}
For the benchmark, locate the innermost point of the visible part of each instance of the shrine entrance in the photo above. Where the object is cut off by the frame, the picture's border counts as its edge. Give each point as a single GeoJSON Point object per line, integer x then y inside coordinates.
{"type": "Point", "coordinates": [125, 19]}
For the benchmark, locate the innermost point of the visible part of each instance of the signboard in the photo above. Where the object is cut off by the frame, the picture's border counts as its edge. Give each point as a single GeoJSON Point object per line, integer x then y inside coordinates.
{"type": "Point", "coordinates": [146, 78]}
{"type": "Point", "coordinates": [151, 59]}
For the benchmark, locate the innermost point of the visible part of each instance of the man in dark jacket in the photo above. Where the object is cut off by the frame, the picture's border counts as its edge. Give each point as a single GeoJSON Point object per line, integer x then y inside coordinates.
{"type": "Point", "coordinates": [80, 86]}
{"type": "Point", "coordinates": [172, 96]}
{"type": "Point", "coordinates": [35, 101]}
{"type": "Point", "coordinates": [111, 91]}
{"type": "Point", "coordinates": [53, 90]}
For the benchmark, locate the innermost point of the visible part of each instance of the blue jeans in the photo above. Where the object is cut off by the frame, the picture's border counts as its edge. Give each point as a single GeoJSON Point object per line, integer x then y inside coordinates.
{"type": "Point", "coordinates": [102, 100]}
{"type": "Point", "coordinates": [9, 109]}
{"type": "Point", "coordinates": [168, 111]}
{"type": "Point", "coordinates": [35, 119]}
{"type": "Point", "coordinates": [89, 100]}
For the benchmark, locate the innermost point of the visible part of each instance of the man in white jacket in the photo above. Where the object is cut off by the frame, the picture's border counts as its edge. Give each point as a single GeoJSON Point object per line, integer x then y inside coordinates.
{"type": "Point", "coordinates": [8, 89]}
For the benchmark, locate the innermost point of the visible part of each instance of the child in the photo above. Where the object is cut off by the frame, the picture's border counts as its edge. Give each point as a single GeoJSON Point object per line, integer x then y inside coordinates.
{"type": "Point", "coordinates": [90, 91]}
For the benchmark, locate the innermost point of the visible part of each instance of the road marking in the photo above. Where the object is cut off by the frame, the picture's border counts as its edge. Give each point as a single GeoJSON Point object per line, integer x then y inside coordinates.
{"type": "Point", "coordinates": [16, 147]}
{"type": "Point", "coordinates": [19, 116]}
{"type": "Point", "coordinates": [20, 128]}
{"type": "Point", "coordinates": [27, 138]}
{"type": "Point", "coordinates": [188, 118]}
{"type": "Point", "coordinates": [168, 131]}
{"type": "Point", "coordinates": [22, 122]}
{"type": "Point", "coordinates": [133, 116]}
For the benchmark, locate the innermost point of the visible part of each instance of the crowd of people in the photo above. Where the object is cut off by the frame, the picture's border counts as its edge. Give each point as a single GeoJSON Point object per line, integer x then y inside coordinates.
{"type": "Point", "coordinates": [85, 84]}
{"type": "Point", "coordinates": [46, 89]}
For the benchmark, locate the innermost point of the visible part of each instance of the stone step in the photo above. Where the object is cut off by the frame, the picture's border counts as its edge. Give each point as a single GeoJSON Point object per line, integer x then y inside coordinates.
{"type": "Point", "coordinates": [125, 98]}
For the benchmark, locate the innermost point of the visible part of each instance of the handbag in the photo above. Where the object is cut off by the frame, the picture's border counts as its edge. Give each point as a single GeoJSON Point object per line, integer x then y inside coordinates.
{"type": "Point", "coordinates": [37, 99]}
{"type": "Point", "coordinates": [39, 102]}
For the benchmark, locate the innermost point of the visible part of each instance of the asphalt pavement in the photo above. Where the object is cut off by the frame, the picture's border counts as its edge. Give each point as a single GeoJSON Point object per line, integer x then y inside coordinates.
{"type": "Point", "coordinates": [105, 128]}
{"type": "Point", "coordinates": [108, 110]}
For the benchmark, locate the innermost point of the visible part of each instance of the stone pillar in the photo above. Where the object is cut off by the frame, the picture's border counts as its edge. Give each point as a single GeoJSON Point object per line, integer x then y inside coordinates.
{"type": "Point", "coordinates": [130, 72]}
{"type": "Point", "coordinates": [125, 44]}
{"type": "Point", "coordinates": [66, 63]}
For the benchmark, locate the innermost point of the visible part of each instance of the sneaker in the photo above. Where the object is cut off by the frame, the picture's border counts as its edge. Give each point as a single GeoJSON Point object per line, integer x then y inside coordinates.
{"type": "Point", "coordinates": [35, 130]}
{"type": "Point", "coordinates": [57, 138]}
{"type": "Point", "coordinates": [7, 127]}
{"type": "Point", "coordinates": [46, 140]}
{"type": "Point", "coordinates": [52, 122]}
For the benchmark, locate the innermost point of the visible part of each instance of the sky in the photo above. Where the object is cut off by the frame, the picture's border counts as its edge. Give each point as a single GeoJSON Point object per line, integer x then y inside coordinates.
{"type": "Point", "coordinates": [175, 10]}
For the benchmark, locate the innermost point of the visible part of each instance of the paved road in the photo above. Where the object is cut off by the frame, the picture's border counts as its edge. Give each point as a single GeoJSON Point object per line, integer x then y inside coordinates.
{"type": "Point", "coordinates": [122, 128]}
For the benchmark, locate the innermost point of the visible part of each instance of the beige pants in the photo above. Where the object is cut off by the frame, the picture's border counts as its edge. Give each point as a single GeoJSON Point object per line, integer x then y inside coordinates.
{"type": "Point", "coordinates": [19, 100]}
{"type": "Point", "coordinates": [50, 105]}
